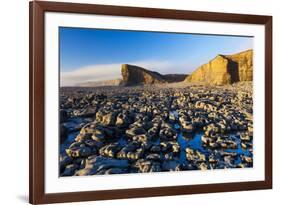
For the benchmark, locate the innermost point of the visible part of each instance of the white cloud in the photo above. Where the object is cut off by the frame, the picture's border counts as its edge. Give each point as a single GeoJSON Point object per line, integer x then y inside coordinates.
{"type": "Point", "coordinates": [91, 73]}
{"type": "Point", "coordinates": [113, 71]}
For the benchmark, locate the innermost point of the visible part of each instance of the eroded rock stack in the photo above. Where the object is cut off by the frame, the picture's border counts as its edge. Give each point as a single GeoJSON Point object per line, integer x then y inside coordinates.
{"type": "Point", "coordinates": [134, 75]}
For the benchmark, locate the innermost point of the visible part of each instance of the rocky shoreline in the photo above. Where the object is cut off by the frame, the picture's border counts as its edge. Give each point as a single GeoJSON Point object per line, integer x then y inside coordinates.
{"type": "Point", "coordinates": [139, 129]}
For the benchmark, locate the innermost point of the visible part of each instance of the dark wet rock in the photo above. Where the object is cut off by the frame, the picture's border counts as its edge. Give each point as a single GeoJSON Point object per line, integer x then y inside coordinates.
{"type": "Point", "coordinates": [78, 150]}
{"type": "Point", "coordinates": [137, 154]}
{"type": "Point", "coordinates": [157, 128]}
{"type": "Point", "coordinates": [142, 123]}
{"type": "Point", "coordinates": [135, 131]}
{"type": "Point", "coordinates": [96, 132]}
{"type": "Point", "coordinates": [82, 163]}
{"type": "Point", "coordinates": [116, 171]}
{"type": "Point", "coordinates": [229, 161]}
{"type": "Point", "coordinates": [109, 119]}
{"type": "Point", "coordinates": [141, 138]}
{"type": "Point", "coordinates": [195, 155]}
{"type": "Point", "coordinates": [122, 120]}
{"type": "Point", "coordinates": [79, 161]}
{"type": "Point", "coordinates": [211, 129]}
{"type": "Point", "coordinates": [96, 164]}
{"type": "Point", "coordinates": [188, 166]}
{"type": "Point", "coordinates": [232, 154]}
{"type": "Point", "coordinates": [88, 129]}
{"type": "Point", "coordinates": [70, 170]}
{"type": "Point", "coordinates": [145, 166]}
{"type": "Point", "coordinates": [63, 133]}
{"type": "Point", "coordinates": [219, 141]}
{"type": "Point", "coordinates": [154, 157]}
{"type": "Point", "coordinates": [169, 156]}
{"type": "Point", "coordinates": [110, 150]}
{"type": "Point", "coordinates": [198, 122]}
{"type": "Point", "coordinates": [76, 144]}
{"type": "Point", "coordinates": [212, 159]}
{"type": "Point", "coordinates": [171, 165]}
{"type": "Point", "coordinates": [247, 145]}
{"type": "Point", "coordinates": [250, 129]}
{"type": "Point", "coordinates": [155, 149]}
{"type": "Point", "coordinates": [109, 132]}
{"type": "Point", "coordinates": [245, 137]}
{"type": "Point", "coordinates": [89, 112]}
{"type": "Point", "coordinates": [170, 147]}
{"type": "Point", "coordinates": [153, 132]}
{"type": "Point", "coordinates": [203, 166]}
{"type": "Point", "coordinates": [98, 135]}
{"type": "Point", "coordinates": [172, 118]}
{"type": "Point", "coordinates": [186, 125]}
{"type": "Point", "coordinates": [247, 159]}
{"type": "Point", "coordinates": [93, 144]}
{"type": "Point", "coordinates": [64, 161]}
{"type": "Point", "coordinates": [227, 144]}
{"type": "Point", "coordinates": [131, 151]}
{"type": "Point", "coordinates": [167, 132]}
{"type": "Point", "coordinates": [63, 115]}
{"type": "Point", "coordinates": [81, 137]}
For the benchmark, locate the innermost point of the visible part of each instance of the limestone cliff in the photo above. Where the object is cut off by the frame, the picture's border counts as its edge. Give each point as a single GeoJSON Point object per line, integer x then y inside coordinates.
{"type": "Point", "coordinates": [134, 75]}
{"type": "Point", "coordinates": [225, 69]}
{"type": "Point", "coordinates": [244, 62]}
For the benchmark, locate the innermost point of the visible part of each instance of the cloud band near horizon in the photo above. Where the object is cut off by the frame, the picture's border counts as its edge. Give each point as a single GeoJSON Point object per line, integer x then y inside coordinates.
{"type": "Point", "coordinates": [103, 72]}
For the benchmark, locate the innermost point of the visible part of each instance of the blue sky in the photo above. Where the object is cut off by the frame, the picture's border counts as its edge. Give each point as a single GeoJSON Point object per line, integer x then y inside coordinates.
{"type": "Point", "coordinates": [84, 50]}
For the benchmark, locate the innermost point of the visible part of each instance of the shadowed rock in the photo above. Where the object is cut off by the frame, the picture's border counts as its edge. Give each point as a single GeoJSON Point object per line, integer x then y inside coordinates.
{"type": "Point", "coordinates": [98, 164]}
{"type": "Point", "coordinates": [172, 78]}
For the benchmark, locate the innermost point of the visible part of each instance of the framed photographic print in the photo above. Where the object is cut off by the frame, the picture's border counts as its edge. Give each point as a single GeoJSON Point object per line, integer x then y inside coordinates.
{"type": "Point", "coordinates": [139, 102]}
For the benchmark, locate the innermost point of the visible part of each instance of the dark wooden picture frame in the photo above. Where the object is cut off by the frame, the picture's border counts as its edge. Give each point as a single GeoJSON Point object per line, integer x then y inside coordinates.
{"type": "Point", "coordinates": [37, 95]}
